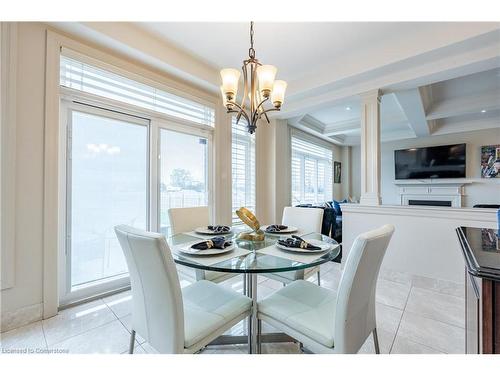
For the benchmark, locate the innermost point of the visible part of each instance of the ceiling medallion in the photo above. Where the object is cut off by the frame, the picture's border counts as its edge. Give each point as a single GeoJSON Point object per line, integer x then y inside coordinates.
{"type": "Point", "coordinates": [259, 87]}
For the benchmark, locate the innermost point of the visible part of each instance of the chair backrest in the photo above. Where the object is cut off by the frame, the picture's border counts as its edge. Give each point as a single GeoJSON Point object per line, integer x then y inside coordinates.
{"type": "Point", "coordinates": [188, 218]}
{"type": "Point", "coordinates": [355, 310]}
{"type": "Point", "coordinates": [157, 313]}
{"type": "Point", "coordinates": [306, 219]}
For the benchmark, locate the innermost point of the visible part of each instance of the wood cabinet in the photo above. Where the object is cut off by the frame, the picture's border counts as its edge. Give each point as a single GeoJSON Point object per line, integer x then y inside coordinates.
{"type": "Point", "coordinates": [481, 250]}
{"type": "Point", "coordinates": [472, 314]}
{"type": "Point", "coordinates": [482, 316]}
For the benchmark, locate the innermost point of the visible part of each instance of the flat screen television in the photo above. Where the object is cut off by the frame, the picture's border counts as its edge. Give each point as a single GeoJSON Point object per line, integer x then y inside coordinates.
{"type": "Point", "coordinates": [430, 162]}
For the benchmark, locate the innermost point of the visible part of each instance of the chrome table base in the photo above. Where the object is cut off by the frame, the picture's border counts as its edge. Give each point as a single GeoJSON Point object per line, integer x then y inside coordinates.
{"type": "Point", "coordinates": [254, 337]}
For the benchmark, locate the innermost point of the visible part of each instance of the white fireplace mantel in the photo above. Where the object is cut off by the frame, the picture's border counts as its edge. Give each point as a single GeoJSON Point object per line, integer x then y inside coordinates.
{"type": "Point", "coordinates": [440, 190]}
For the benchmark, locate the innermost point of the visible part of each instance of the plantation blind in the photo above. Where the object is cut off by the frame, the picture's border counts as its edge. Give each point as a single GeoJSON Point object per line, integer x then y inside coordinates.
{"type": "Point", "coordinates": [78, 75]}
{"type": "Point", "coordinates": [312, 172]}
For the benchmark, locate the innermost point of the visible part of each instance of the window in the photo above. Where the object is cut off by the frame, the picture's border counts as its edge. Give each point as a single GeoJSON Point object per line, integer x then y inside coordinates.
{"type": "Point", "coordinates": [312, 172]}
{"type": "Point", "coordinates": [125, 166]}
{"type": "Point", "coordinates": [183, 173]}
{"type": "Point", "coordinates": [243, 168]}
{"type": "Point", "coordinates": [107, 177]}
{"type": "Point", "coordinates": [77, 75]}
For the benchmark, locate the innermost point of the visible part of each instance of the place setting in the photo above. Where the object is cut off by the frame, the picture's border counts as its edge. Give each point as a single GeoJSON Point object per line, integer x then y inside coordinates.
{"type": "Point", "coordinates": [211, 231]}
{"type": "Point", "coordinates": [278, 229]}
{"type": "Point", "coordinates": [297, 244]}
{"type": "Point", "coordinates": [298, 249]}
{"type": "Point", "coordinates": [210, 251]}
{"type": "Point", "coordinates": [212, 246]}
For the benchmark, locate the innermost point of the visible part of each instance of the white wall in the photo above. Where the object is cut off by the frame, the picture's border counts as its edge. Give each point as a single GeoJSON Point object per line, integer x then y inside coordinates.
{"type": "Point", "coordinates": [480, 191]}
{"type": "Point", "coordinates": [27, 291]}
{"type": "Point", "coordinates": [424, 242]}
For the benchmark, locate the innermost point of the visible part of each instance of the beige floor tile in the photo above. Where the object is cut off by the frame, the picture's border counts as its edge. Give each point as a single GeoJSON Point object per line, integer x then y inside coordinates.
{"type": "Point", "coordinates": [385, 340]}
{"type": "Point", "coordinates": [29, 338]}
{"type": "Point", "coordinates": [404, 346]}
{"type": "Point", "coordinates": [395, 276]}
{"type": "Point", "coordinates": [440, 286]}
{"type": "Point", "coordinates": [120, 304]}
{"type": "Point", "coordinates": [224, 349]}
{"type": "Point", "coordinates": [392, 294]}
{"type": "Point", "coordinates": [388, 318]}
{"type": "Point", "coordinates": [443, 307]}
{"type": "Point", "coordinates": [437, 335]}
{"type": "Point", "coordinates": [127, 323]}
{"type": "Point", "coordinates": [76, 320]}
{"type": "Point", "coordinates": [107, 339]}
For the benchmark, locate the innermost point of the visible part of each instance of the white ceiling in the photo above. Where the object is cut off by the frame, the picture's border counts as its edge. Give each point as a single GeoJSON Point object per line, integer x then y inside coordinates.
{"type": "Point", "coordinates": [294, 47]}
{"type": "Point", "coordinates": [346, 111]}
{"type": "Point", "coordinates": [435, 77]}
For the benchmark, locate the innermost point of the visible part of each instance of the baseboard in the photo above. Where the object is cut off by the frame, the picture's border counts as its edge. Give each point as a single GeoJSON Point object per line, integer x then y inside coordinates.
{"type": "Point", "coordinates": [20, 317]}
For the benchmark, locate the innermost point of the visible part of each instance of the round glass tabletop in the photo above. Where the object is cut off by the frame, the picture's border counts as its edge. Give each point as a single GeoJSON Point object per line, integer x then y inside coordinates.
{"type": "Point", "coordinates": [252, 256]}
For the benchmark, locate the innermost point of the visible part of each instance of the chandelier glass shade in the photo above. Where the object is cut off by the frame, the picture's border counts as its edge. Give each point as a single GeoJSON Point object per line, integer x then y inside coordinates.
{"type": "Point", "coordinates": [259, 86]}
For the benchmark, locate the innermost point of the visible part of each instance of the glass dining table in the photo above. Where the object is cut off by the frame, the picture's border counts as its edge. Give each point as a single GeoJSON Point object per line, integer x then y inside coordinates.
{"type": "Point", "coordinates": [251, 258]}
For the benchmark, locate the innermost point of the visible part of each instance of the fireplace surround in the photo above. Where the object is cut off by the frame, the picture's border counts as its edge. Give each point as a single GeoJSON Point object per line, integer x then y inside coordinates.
{"type": "Point", "coordinates": [432, 193]}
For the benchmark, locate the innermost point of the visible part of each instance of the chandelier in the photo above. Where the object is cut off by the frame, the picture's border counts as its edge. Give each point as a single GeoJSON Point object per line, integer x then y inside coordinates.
{"type": "Point", "coordinates": [259, 87]}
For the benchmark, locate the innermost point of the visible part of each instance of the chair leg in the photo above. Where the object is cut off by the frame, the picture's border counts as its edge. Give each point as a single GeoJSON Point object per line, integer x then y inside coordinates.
{"type": "Point", "coordinates": [132, 342]}
{"type": "Point", "coordinates": [244, 285]}
{"type": "Point", "coordinates": [259, 336]}
{"type": "Point", "coordinates": [375, 341]}
{"type": "Point", "coordinates": [319, 278]}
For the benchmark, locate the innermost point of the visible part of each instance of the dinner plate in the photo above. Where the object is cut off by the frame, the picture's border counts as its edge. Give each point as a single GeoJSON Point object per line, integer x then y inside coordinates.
{"type": "Point", "coordinates": [324, 246]}
{"type": "Point", "coordinates": [283, 231]}
{"type": "Point", "coordinates": [205, 230]}
{"type": "Point", "coordinates": [191, 251]}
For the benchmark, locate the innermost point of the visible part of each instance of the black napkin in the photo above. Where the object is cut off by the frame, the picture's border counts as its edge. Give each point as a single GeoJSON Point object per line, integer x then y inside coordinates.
{"type": "Point", "coordinates": [297, 242]}
{"type": "Point", "coordinates": [213, 243]}
{"type": "Point", "coordinates": [219, 228]}
{"type": "Point", "coordinates": [276, 228]}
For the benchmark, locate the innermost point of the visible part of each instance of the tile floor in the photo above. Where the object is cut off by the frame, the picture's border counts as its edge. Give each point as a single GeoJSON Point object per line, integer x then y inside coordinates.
{"type": "Point", "coordinates": [414, 315]}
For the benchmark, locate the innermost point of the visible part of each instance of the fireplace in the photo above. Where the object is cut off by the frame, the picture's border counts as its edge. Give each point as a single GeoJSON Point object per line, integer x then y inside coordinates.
{"type": "Point", "coordinates": [429, 202]}
{"type": "Point", "coordinates": [431, 193]}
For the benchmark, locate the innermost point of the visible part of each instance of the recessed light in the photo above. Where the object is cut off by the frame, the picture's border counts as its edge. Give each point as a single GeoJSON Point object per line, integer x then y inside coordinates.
{"type": "Point", "coordinates": [483, 110]}
{"type": "Point", "coordinates": [347, 108]}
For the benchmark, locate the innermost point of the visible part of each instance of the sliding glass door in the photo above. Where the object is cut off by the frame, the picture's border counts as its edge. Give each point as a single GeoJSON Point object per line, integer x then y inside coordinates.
{"type": "Point", "coordinates": [107, 167]}
{"type": "Point", "coordinates": [183, 173]}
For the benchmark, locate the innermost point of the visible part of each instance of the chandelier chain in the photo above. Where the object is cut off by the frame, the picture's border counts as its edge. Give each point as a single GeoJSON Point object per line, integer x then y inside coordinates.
{"type": "Point", "coordinates": [251, 51]}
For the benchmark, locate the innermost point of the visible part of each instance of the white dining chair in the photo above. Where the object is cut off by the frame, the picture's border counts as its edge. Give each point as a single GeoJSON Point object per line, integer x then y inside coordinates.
{"type": "Point", "coordinates": [187, 219]}
{"type": "Point", "coordinates": [327, 322]}
{"type": "Point", "coordinates": [171, 320]}
{"type": "Point", "coordinates": [307, 220]}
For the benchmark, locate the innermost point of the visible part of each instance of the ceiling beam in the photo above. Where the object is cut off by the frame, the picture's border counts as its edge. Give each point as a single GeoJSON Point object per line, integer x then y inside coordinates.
{"type": "Point", "coordinates": [470, 104]}
{"type": "Point", "coordinates": [467, 124]}
{"type": "Point", "coordinates": [312, 123]}
{"type": "Point", "coordinates": [412, 105]}
{"type": "Point", "coordinates": [396, 135]}
{"type": "Point", "coordinates": [342, 127]}
{"type": "Point", "coordinates": [314, 127]}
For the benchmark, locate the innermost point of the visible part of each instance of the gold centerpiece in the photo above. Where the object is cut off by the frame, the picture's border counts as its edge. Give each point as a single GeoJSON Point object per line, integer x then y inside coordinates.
{"type": "Point", "coordinates": [249, 219]}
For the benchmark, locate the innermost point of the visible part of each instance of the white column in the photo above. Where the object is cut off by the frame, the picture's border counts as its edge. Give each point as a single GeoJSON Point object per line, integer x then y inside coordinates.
{"type": "Point", "coordinates": [273, 164]}
{"type": "Point", "coordinates": [222, 178]}
{"type": "Point", "coordinates": [370, 148]}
